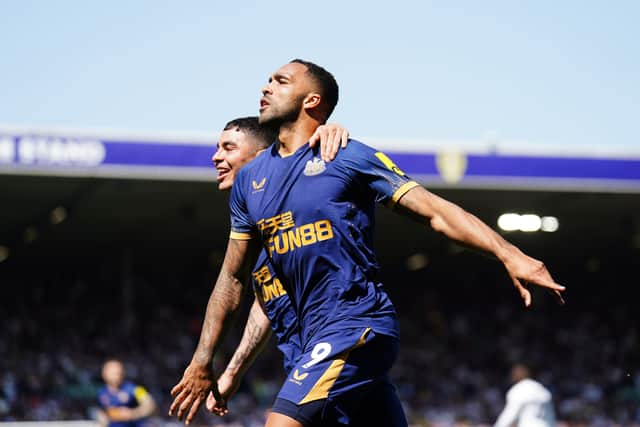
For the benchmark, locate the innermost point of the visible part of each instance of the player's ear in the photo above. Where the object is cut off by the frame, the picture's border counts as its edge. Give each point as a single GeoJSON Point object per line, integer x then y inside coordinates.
{"type": "Point", "coordinates": [312, 100]}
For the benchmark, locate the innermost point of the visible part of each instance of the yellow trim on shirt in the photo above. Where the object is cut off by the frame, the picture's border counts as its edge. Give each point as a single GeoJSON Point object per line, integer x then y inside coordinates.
{"type": "Point", "coordinates": [401, 192]}
{"type": "Point", "coordinates": [320, 389]}
{"type": "Point", "coordinates": [140, 393]}
{"type": "Point", "coordinates": [240, 236]}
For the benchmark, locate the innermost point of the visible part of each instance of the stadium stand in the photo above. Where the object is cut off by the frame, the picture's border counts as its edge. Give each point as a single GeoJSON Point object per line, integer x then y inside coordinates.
{"type": "Point", "coordinates": [107, 259]}
{"type": "Point", "coordinates": [461, 329]}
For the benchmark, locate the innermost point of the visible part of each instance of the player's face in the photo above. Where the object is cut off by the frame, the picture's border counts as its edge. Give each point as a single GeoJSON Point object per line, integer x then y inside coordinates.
{"type": "Point", "coordinates": [282, 98]}
{"type": "Point", "coordinates": [113, 373]}
{"type": "Point", "coordinates": [235, 149]}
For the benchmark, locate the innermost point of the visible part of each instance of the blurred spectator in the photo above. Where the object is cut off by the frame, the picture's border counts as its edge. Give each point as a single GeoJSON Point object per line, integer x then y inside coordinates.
{"type": "Point", "coordinates": [124, 404]}
{"type": "Point", "coordinates": [461, 330]}
{"type": "Point", "coordinates": [529, 403]}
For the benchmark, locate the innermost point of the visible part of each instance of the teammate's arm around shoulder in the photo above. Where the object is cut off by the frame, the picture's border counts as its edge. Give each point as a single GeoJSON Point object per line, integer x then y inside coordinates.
{"type": "Point", "coordinates": [198, 379]}
{"type": "Point", "coordinates": [459, 225]}
{"type": "Point", "coordinates": [332, 136]}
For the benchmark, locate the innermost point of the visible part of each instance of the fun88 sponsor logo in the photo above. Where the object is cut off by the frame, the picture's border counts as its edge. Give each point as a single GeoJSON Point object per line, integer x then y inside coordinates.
{"type": "Point", "coordinates": [284, 236]}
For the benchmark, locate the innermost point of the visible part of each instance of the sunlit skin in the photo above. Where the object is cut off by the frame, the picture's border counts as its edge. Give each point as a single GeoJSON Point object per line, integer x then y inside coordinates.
{"type": "Point", "coordinates": [234, 150]}
{"type": "Point", "coordinates": [291, 101]}
{"type": "Point", "coordinates": [284, 93]}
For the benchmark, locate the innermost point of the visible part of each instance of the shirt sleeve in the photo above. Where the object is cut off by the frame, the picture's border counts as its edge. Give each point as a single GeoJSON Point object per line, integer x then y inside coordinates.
{"type": "Point", "coordinates": [509, 414]}
{"type": "Point", "coordinates": [380, 173]}
{"type": "Point", "coordinates": [140, 393]}
{"type": "Point", "coordinates": [242, 227]}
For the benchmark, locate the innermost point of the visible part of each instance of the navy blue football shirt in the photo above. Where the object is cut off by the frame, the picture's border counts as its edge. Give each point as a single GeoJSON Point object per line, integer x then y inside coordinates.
{"type": "Point", "coordinates": [274, 299]}
{"type": "Point", "coordinates": [316, 222]}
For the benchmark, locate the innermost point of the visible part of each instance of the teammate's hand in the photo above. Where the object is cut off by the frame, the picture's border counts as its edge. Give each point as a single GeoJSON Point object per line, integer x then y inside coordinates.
{"type": "Point", "coordinates": [331, 137]}
{"type": "Point", "coordinates": [215, 406]}
{"type": "Point", "coordinates": [524, 269]}
{"type": "Point", "coordinates": [192, 391]}
{"type": "Point", "coordinates": [227, 386]}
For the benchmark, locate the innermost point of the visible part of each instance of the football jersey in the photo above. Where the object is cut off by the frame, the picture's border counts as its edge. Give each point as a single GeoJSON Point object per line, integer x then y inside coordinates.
{"type": "Point", "coordinates": [273, 298]}
{"type": "Point", "coordinates": [128, 395]}
{"type": "Point", "coordinates": [316, 222]}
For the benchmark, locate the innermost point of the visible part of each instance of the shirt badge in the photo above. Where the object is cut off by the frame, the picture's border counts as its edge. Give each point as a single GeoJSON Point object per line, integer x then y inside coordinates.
{"type": "Point", "coordinates": [298, 378]}
{"type": "Point", "coordinates": [314, 167]}
{"type": "Point", "coordinates": [259, 185]}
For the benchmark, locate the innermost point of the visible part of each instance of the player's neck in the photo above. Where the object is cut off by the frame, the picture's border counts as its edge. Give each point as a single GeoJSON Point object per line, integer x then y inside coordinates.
{"type": "Point", "coordinates": [294, 135]}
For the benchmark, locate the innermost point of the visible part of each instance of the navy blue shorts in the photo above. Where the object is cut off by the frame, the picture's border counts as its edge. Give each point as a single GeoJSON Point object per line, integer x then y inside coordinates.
{"type": "Point", "coordinates": [338, 383]}
{"type": "Point", "coordinates": [380, 406]}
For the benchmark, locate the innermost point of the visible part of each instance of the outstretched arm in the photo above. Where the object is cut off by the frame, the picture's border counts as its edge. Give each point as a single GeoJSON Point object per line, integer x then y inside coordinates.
{"type": "Point", "coordinates": [198, 379]}
{"type": "Point", "coordinates": [256, 334]}
{"type": "Point", "coordinates": [461, 226]}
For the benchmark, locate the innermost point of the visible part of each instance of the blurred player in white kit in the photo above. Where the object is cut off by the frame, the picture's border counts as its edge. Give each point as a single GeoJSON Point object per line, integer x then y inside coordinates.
{"type": "Point", "coordinates": [529, 403]}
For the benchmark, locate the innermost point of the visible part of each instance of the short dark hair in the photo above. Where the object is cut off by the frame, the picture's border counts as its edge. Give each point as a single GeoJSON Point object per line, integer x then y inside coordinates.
{"type": "Point", "coordinates": [265, 135]}
{"type": "Point", "coordinates": [327, 83]}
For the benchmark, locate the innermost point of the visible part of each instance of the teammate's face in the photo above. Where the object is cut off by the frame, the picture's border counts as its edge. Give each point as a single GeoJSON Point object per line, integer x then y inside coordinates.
{"type": "Point", "coordinates": [113, 373]}
{"type": "Point", "coordinates": [283, 97]}
{"type": "Point", "coordinates": [235, 149]}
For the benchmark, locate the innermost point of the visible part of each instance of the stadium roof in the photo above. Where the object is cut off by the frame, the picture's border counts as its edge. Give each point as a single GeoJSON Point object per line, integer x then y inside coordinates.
{"type": "Point", "coordinates": [449, 164]}
{"type": "Point", "coordinates": [75, 193]}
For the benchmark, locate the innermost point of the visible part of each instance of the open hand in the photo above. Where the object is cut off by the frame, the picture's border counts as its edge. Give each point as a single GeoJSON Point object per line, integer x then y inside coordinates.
{"type": "Point", "coordinates": [525, 270]}
{"type": "Point", "coordinates": [192, 391]}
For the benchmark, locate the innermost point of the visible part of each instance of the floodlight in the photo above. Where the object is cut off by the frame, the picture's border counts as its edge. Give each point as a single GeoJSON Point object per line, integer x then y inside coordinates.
{"type": "Point", "coordinates": [549, 224]}
{"type": "Point", "coordinates": [509, 221]}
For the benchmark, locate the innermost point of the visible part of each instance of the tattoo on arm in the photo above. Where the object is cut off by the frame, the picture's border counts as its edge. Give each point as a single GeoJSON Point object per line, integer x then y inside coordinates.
{"type": "Point", "coordinates": [256, 334]}
{"type": "Point", "coordinates": [223, 302]}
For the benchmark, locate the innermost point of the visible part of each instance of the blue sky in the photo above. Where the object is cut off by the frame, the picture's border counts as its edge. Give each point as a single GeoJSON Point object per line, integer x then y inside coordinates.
{"type": "Point", "coordinates": [538, 72]}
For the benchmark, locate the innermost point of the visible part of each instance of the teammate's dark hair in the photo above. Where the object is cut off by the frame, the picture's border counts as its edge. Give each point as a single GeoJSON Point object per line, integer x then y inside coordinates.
{"type": "Point", "coordinates": [327, 83]}
{"type": "Point", "coordinates": [265, 135]}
